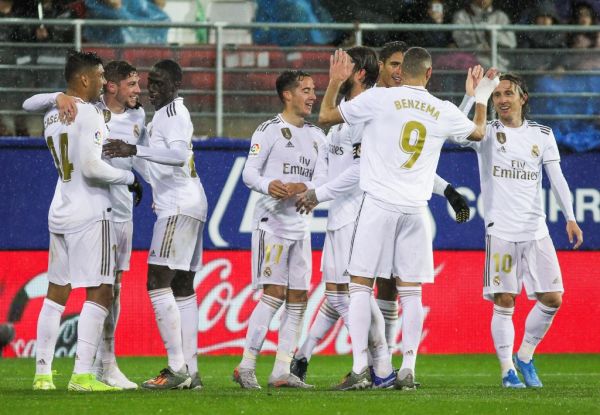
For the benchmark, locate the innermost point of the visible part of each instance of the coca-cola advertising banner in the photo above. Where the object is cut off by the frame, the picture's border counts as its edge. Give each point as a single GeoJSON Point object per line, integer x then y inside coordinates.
{"type": "Point", "coordinates": [457, 319]}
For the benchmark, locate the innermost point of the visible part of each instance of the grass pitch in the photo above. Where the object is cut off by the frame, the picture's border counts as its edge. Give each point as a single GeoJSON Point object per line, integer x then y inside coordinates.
{"type": "Point", "coordinates": [455, 384]}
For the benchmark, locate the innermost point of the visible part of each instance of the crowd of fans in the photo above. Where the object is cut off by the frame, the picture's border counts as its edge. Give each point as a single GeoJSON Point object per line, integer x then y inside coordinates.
{"type": "Point", "coordinates": [524, 50]}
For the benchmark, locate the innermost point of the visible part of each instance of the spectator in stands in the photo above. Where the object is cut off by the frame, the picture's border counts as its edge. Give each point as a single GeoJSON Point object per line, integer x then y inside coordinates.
{"type": "Point", "coordinates": [483, 12]}
{"type": "Point", "coordinates": [285, 11]}
{"type": "Point", "coordinates": [544, 14]}
{"type": "Point", "coordinates": [583, 15]}
{"type": "Point", "coordinates": [434, 13]}
{"type": "Point", "coordinates": [4, 130]}
{"type": "Point", "coordinates": [148, 10]}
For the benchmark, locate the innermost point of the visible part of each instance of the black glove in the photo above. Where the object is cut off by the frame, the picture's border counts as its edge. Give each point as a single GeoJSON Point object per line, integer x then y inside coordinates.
{"type": "Point", "coordinates": [136, 189]}
{"type": "Point", "coordinates": [458, 203]}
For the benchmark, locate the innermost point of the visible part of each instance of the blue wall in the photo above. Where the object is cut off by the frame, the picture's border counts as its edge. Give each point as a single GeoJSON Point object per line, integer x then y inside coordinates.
{"type": "Point", "coordinates": [29, 177]}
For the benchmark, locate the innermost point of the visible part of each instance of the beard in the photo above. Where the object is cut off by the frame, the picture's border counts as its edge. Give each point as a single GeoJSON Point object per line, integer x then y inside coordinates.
{"type": "Point", "coordinates": [346, 87]}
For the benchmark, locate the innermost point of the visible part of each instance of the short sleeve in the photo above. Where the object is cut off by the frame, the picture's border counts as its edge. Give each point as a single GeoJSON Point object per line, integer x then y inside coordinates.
{"type": "Point", "coordinates": [362, 108]}
{"type": "Point", "coordinates": [459, 126]}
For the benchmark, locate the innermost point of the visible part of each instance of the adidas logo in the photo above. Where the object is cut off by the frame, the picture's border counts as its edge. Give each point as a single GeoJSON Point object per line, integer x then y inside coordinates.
{"type": "Point", "coordinates": [41, 362]}
{"type": "Point", "coordinates": [289, 144]}
{"type": "Point", "coordinates": [152, 253]}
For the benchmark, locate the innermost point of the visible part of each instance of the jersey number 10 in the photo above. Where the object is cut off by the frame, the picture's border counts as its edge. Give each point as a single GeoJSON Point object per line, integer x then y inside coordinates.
{"type": "Point", "coordinates": [63, 165]}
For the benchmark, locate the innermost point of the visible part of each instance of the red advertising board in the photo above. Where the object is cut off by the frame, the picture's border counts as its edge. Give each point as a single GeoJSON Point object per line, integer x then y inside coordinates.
{"type": "Point", "coordinates": [457, 318]}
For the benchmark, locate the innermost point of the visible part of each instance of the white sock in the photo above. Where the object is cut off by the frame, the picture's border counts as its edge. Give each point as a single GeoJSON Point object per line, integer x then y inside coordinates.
{"type": "Point", "coordinates": [48, 326]}
{"type": "Point", "coordinates": [188, 312]}
{"type": "Point", "coordinates": [359, 322]}
{"type": "Point", "coordinates": [537, 324]}
{"type": "Point", "coordinates": [389, 309]}
{"type": "Point", "coordinates": [325, 320]}
{"type": "Point", "coordinates": [340, 301]}
{"type": "Point", "coordinates": [290, 330]}
{"type": "Point", "coordinates": [412, 324]}
{"type": "Point", "coordinates": [89, 332]}
{"type": "Point", "coordinates": [169, 325]}
{"type": "Point", "coordinates": [258, 325]}
{"type": "Point", "coordinates": [378, 347]}
{"type": "Point", "coordinates": [106, 350]}
{"type": "Point", "coordinates": [503, 334]}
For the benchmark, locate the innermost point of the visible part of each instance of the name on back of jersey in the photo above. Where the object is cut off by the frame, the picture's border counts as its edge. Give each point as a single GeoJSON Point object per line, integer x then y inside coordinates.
{"type": "Point", "coordinates": [51, 119]}
{"type": "Point", "coordinates": [417, 105]}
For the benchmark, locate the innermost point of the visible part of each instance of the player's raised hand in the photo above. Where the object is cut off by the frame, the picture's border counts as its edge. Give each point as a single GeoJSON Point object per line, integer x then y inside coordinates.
{"type": "Point", "coordinates": [340, 66]}
{"type": "Point", "coordinates": [474, 75]}
{"type": "Point", "coordinates": [306, 202]}
{"type": "Point", "coordinates": [486, 86]}
{"type": "Point", "coordinates": [574, 232]}
{"type": "Point", "coordinates": [118, 148]}
{"type": "Point", "coordinates": [67, 108]}
{"type": "Point", "coordinates": [136, 189]}
{"type": "Point", "coordinates": [277, 189]}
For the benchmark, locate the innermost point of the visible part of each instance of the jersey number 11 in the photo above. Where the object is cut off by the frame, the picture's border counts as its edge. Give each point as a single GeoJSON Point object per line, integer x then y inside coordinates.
{"type": "Point", "coordinates": [63, 165]}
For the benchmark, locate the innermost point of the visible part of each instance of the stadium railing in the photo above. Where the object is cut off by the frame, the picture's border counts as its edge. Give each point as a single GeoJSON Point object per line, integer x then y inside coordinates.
{"type": "Point", "coordinates": [229, 88]}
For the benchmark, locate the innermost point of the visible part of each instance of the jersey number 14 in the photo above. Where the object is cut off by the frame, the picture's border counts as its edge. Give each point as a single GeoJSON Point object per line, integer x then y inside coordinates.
{"type": "Point", "coordinates": [63, 165]}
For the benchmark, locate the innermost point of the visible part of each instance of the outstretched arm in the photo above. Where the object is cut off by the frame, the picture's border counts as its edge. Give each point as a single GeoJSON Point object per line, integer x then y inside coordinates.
{"type": "Point", "coordinates": [340, 69]}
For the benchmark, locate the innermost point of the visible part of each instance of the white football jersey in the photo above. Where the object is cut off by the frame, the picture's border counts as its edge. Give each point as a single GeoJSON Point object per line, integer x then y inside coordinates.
{"type": "Point", "coordinates": [344, 208]}
{"type": "Point", "coordinates": [175, 190]}
{"type": "Point", "coordinates": [282, 151]}
{"type": "Point", "coordinates": [405, 128]}
{"type": "Point", "coordinates": [129, 127]}
{"type": "Point", "coordinates": [510, 170]}
{"type": "Point", "coordinates": [78, 201]}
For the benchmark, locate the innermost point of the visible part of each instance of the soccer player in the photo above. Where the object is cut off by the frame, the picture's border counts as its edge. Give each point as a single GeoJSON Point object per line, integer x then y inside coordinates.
{"type": "Point", "coordinates": [518, 248]}
{"type": "Point", "coordinates": [180, 206]}
{"type": "Point", "coordinates": [82, 240]}
{"type": "Point", "coordinates": [125, 119]}
{"type": "Point", "coordinates": [391, 57]}
{"type": "Point", "coordinates": [343, 158]}
{"type": "Point", "coordinates": [287, 157]}
{"type": "Point", "coordinates": [396, 174]}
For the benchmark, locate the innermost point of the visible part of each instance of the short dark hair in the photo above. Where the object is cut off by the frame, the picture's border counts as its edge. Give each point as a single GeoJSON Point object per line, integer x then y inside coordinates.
{"type": "Point", "coordinates": [390, 48]}
{"type": "Point", "coordinates": [172, 68]}
{"type": "Point", "coordinates": [116, 71]}
{"type": "Point", "coordinates": [365, 58]}
{"type": "Point", "coordinates": [288, 80]}
{"type": "Point", "coordinates": [80, 61]}
{"type": "Point", "coordinates": [522, 89]}
{"type": "Point", "coordinates": [416, 62]}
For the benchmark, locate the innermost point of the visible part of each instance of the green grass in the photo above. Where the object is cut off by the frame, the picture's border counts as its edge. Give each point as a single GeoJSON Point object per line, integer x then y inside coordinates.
{"type": "Point", "coordinates": [466, 384]}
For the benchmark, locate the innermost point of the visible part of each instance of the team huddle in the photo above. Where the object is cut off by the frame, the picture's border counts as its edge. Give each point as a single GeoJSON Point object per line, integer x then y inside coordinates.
{"type": "Point", "coordinates": [376, 166]}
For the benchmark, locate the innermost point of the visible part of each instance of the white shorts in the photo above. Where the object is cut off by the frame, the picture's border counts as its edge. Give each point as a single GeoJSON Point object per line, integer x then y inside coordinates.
{"type": "Point", "coordinates": [336, 253]}
{"type": "Point", "coordinates": [123, 233]}
{"type": "Point", "coordinates": [388, 242]}
{"type": "Point", "coordinates": [510, 265]}
{"type": "Point", "coordinates": [85, 258]}
{"type": "Point", "coordinates": [280, 261]}
{"type": "Point", "coordinates": [177, 243]}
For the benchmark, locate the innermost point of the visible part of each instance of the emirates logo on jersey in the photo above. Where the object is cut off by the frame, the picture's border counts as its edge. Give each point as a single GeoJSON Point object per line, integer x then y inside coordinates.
{"type": "Point", "coordinates": [535, 151]}
{"type": "Point", "coordinates": [286, 133]}
{"type": "Point", "coordinates": [501, 138]}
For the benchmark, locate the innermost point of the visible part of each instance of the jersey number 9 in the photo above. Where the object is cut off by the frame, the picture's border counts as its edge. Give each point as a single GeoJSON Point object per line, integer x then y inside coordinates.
{"type": "Point", "coordinates": [410, 145]}
{"type": "Point", "coordinates": [63, 165]}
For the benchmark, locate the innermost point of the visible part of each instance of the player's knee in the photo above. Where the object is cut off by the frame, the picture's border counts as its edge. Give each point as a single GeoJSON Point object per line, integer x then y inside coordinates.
{"type": "Point", "coordinates": [277, 291]}
{"type": "Point", "coordinates": [183, 284]}
{"type": "Point", "coordinates": [297, 296]}
{"type": "Point", "coordinates": [504, 300]}
{"type": "Point", "coordinates": [386, 289]}
{"type": "Point", "coordinates": [553, 300]}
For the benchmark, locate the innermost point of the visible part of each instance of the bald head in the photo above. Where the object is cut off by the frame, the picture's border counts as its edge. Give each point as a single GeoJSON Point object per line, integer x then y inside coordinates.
{"type": "Point", "coordinates": [416, 64]}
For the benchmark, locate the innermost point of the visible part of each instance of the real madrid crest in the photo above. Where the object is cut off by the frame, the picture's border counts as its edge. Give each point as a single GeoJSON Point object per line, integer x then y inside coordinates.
{"type": "Point", "coordinates": [316, 147]}
{"type": "Point", "coordinates": [136, 130]}
{"type": "Point", "coordinates": [497, 280]}
{"type": "Point", "coordinates": [535, 151]}
{"type": "Point", "coordinates": [267, 272]}
{"type": "Point", "coordinates": [286, 133]}
{"type": "Point", "coordinates": [501, 138]}
{"type": "Point", "coordinates": [107, 114]}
